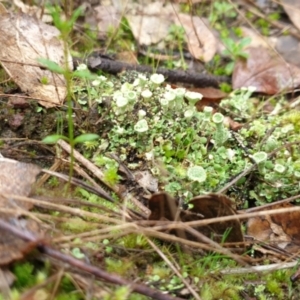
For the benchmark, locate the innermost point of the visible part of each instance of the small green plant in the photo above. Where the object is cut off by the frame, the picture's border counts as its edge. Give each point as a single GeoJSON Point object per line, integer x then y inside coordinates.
{"type": "Point", "coordinates": [25, 275]}
{"type": "Point", "coordinates": [111, 169]}
{"type": "Point", "coordinates": [44, 80]}
{"type": "Point", "coordinates": [120, 38]}
{"type": "Point", "coordinates": [175, 40]}
{"type": "Point", "coordinates": [221, 10]}
{"type": "Point", "coordinates": [119, 266]}
{"type": "Point", "coordinates": [121, 293]}
{"type": "Point", "coordinates": [65, 27]}
{"type": "Point", "coordinates": [235, 50]}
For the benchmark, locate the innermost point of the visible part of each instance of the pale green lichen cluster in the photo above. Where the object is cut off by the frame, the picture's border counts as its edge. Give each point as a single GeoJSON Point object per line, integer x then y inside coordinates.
{"type": "Point", "coordinates": [273, 143]}
{"type": "Point", "coordinates": [195, 152]}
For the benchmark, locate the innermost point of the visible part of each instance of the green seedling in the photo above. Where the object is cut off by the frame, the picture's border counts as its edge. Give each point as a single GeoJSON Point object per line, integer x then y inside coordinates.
{"type": "Point", "coordinates": [235, 50]}
{"type": "Point", "coordinates": [65, 26]}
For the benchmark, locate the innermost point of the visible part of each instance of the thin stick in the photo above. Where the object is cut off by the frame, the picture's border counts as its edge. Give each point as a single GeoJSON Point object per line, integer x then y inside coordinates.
{"type": "Point", "coordinates": [176, 225]}
{"type": "Point", "coordinates": [177, 272]}
{"type": "Point", "coordinates": [97, 272]}
{"type": "Point", "coordinates": [271, 267]}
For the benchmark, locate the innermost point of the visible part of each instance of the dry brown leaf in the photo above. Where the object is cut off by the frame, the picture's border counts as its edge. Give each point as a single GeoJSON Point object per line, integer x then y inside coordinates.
{"type": "Point", "coordinates": [16, 178]}
{"type": "Point", "coordinates": [129, 57]}
{"type": "Point", "coordinates": [146, 180]}
{"type": "Point", "coordinates": [202, 43]}
{"type": "Point", "coordinates": [289, 48]}
{"type": "Point", "coordinates": [265, 71]}
{"type": "Point", "coordinates": [13, 248]}
{"type": "Point", "coordinates": [107, 18]}
{"type": "Point", "coordinates": [6, 280]}
{"type": "Point", "coordinates": [292, 8]}
{"type": "Point", "coordinates": [34, 11]}
{"type": "Point", "coordinates": [286, 45]}
{"type": "Point", "coordinates": [211, 97]}
{"type": "Point", "coordinates": [150, 24]}
{"type": "Point", "coordinates": [280, 230]}
{"type": "Point", "coordinates": [164, 207]}
{"type": "Point", "coordinates": [213, 206]}
{"type": "Point", "coordinates": [2, 9]}
{"type": "Point", "coordinates": [24, 40]}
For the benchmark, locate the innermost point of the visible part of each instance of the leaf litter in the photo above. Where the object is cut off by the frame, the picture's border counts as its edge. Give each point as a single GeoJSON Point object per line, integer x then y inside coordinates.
{"type": "Point", "coordinates": [24, 41]}
{"type": "Point", "coordinates": [279, 230]}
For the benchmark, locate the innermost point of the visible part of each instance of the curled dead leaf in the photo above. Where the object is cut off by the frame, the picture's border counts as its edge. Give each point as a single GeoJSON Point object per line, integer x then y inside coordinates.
{"type": "Point", "coordinates": [164, 207]}
{"type": "Point", "coordinates": [214, 206]}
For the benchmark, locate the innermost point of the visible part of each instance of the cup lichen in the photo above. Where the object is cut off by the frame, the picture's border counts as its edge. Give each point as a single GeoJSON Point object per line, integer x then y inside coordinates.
{"type": "Point", "coordinates": [149, 118]}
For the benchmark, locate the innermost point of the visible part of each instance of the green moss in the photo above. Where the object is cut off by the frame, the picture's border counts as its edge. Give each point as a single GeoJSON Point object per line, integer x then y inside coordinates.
{"type": "Point", "coordinates": [24, 273]}
{"type": "Point", "coordinates": [274, 287]}
{"type": "Point", "coordinates": [293, 118]}
{"type": "Point", "coordinates": [119, 266]}
{"type": "Point", "coordinates": [77, 225]}
{"type": "Point", "coordinates": [69, 296]}
{"type": "Point", "coordinates": [134, 241]}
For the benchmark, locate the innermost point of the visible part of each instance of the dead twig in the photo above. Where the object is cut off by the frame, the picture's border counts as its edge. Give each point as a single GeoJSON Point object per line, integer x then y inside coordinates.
{"type": "Point", "coordinates": [96, 61]}
{"type": "Point", "coordinates": [97, 272]}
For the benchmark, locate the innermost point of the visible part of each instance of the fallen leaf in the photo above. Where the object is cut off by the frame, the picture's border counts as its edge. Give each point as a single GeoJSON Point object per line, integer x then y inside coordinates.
{"type": "Point", "coordinates": [289, 48]}
{"type": "Point", "coordinates": [292, 8]}
{"type": "Point", "coordinates": [280, 230]}
{"type": "Point", "coordinates": [213, 206]}
{"type": "Point", "coordinates": [24, 40]}
{"type": "Point", "coordinates": [16, 178]}
{"type": "Point", "coordinates": [150, 23]}
{"type": "Point", "coordinates": [286, 45]}
{"type": "Point", "coordinates": [266, 72]}
{"type": "Point", "coordinates": [107, 18]}
{"type": "Point", "coordinates": [164, 207]}
{"type": "Point", "coordinates": [211, 97]}
{"type": "Point", "coordinates": [7, 278]}
{"type": "Point", "coordinates": [13, 248]}
{"type": "Point", "coordinates": [34, 11]}
{"type": "Point", "coordinates": [129, 57]}
{"type": "Point", "coordinates": [202, 43]}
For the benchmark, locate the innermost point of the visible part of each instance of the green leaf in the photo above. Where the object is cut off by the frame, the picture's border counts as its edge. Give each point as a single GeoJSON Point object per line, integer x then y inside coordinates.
{"type": "Point", "coordinates": [85, 138]}
{"type": "Point", "coordinates": [243, 55]}
{"type": "Point", "coordinates": [76, 14]}
{"type": "Point", "coordinates": [245, 42]}
{"type": "Point", "coordinates": [86, 74]}
{"type": "Point", "coordinates": [52, 139]}
{"type": "Point", "coordinates": [229, 43]}
{"type": "Point", "coordinates": [229, 68]}
{"type": "Point", "coordinates": [51, 65]}
{"type": "Point", "coordinates": [55, 12]}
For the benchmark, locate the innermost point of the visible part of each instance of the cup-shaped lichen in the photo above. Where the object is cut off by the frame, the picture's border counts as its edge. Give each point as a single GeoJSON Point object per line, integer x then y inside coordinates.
{"type": "Point", "coordinates": [196, 173]}
{"type": "Point", "coordinates": [221, 135]}
{"type": "Point", "coordinates": [193, 97]}
{"type": "Point", "coordinates": [141, 126]}
{"type": "Point", "coordinates": [279, 168]}
{"type": "Point", "coordinates": [260, 157]}
{"type": "Point", "coordinates": [157, 79]}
